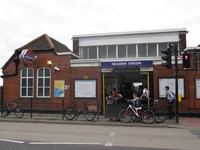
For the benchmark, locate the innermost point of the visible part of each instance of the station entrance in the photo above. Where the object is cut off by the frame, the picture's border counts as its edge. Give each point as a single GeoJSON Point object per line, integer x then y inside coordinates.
{"type": "Point", "coordinates": [126, 83]}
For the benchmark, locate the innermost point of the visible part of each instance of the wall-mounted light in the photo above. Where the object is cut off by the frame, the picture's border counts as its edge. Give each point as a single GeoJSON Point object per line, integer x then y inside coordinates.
{"type": "Point", "coordinates": [49, 62]}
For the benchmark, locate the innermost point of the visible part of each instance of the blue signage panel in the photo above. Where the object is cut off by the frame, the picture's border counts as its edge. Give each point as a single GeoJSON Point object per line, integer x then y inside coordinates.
{"type": "Point", "coordinates": [127, 63]}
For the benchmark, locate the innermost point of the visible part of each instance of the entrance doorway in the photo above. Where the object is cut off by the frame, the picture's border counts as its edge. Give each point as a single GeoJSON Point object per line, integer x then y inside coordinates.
{"type": "Point", "coordinates": [126, 83]}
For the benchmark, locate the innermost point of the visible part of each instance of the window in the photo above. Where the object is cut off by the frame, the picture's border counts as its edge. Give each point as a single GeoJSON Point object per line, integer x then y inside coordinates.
{"type": "Point", "coordinates": [93, 52]}
{"type": "Point", "coordinates": [83, 51]}
{"type": "Point", "coordinates": [102, 51]}
{"type": "Point", "coordinates": [142, 52]}
{"type": "Point", "coordinates": [152, 50]}
{"type": "Point", "coordinates": [121, 51]}
{"type": "Point", "coordinates": [43, 83]}
{"type": "Point", "coordinates": [112, 51]}
{"type": "Point", "coordinates": [162, 46]}
{"type": "Point", "coordinates": [26, 89]}
{"type": "Point", "coordinates": [131, 50]}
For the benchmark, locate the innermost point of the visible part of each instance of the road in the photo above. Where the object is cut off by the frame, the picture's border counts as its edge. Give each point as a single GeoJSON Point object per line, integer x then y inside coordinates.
{"type": "Point", "coordinates": [59, 136]}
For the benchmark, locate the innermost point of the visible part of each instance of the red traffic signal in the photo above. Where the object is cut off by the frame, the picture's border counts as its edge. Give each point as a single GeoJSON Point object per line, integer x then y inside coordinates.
{"type": "Point", "coordinates": [186, 60]}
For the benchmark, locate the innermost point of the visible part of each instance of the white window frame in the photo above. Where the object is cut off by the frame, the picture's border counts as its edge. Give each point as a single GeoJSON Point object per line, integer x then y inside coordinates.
{"type": "Point", "coordinates": [26, 87]}
{"type": "Point", "coordinates": [43, 86]}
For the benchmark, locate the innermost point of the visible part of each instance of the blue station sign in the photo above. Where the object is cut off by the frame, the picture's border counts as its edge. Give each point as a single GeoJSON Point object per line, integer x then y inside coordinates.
{"type": "Point", "coordinates": [147, 63]}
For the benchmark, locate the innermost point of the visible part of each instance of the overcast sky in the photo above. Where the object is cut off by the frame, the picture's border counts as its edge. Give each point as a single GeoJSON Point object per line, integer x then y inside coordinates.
{"type": "Point", "coordinates": [24, 20]}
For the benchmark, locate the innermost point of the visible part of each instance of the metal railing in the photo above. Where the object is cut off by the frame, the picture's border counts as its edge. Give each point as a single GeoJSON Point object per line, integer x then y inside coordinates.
{"type": "Point", "coordinates": [52, 110]}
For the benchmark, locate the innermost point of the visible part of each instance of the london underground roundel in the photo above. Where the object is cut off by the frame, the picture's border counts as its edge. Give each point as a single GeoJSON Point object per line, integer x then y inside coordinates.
{"type": "Point", "coordinates": [27, 57]}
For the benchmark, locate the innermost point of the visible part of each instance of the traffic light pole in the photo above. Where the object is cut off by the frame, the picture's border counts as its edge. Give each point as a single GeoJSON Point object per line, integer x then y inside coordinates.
{"type": "Point", "coordinates": [176, 81]}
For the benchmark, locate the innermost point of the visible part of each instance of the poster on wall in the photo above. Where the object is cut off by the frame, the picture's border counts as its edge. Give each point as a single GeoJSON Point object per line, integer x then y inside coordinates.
{"type": "Point", "coordinates": [59, 88]}
{"type": "Point", "coordinates": [85, 88]}
{"type": "Point", "coordinates": [197, 88]}
{"type": "Point", "coordinates": [162, 82]}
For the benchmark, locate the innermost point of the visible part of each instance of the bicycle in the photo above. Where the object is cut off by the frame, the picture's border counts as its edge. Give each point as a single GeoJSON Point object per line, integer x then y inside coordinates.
{"type": "Point", "coordinates": [12, 107]}
{"type": "Point", "coordinates": [159, 112]}
{"type": "Point", "coordinates": [127, 114]}
{"type": "Point", "coordinates": [72, 112]}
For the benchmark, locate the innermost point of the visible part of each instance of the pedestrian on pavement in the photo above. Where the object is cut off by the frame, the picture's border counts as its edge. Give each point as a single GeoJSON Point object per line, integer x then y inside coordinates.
{"type": "Point", "coordinates": [170, 96]}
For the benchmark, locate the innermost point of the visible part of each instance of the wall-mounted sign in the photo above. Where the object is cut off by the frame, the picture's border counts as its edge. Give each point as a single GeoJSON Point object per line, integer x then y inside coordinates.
{"type": "Point", "coordinates": [85, 88]}
{"type": "Point", "coordinates": [162, 82]}
{"type": "Point", "coordinates": [127, 63]}
{"type": "Point", "coordinates": [197, 88]}
{"type": "Point", "coordinates": [28, 58]}
{"type": "Point", "coordinates": [59, 86]}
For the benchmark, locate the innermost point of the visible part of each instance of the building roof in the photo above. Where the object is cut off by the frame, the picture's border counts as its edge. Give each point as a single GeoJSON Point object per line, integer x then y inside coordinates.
{"type": "Point", "coordinates": [131, 33]}
{"type": "Point", "coordinates": [45, 42]}
{"type": "Point", "coordinates": [42, 43]}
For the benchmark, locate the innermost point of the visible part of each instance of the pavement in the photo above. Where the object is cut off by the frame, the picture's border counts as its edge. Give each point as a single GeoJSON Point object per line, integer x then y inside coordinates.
{"type": "Point", "coordinates": [184, 122]}
{"type": "Point", "coordinates": [190, 122]}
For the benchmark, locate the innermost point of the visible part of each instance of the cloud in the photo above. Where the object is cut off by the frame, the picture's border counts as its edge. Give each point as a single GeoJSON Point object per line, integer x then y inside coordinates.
{"type": "Point", "coordinates": [22, 20]}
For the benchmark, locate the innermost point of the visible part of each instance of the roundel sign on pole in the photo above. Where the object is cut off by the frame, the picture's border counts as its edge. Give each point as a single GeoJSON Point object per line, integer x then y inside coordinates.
{"type": "Point", "coordinates": [27, 57]}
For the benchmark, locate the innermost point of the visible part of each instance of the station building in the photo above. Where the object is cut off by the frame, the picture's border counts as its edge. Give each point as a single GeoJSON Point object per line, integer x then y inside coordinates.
{"type": "Point", "coordinates": [98, 63]}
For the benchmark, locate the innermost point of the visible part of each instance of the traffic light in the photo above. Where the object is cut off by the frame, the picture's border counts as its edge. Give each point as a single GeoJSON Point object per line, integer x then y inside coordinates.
{"type": "Point", "coordinates": [186, 60]}
{"type": "Point", "coordinates": [167, 57]}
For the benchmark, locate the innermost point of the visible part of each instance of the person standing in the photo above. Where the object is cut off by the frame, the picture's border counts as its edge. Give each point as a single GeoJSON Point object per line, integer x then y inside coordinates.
{"type": "Point", "coordinates": [114, 93]}
{"type": "Point", "coordinates": [145, 95]}
{"type": "Point", "coordinates": [170, 96]}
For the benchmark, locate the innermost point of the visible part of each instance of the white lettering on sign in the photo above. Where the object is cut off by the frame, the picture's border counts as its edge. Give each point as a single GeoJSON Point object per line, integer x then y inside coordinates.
{"type": "Point", "coordinates": [119, 63]}
{"type": "Point", "coordinates": [134, 63]}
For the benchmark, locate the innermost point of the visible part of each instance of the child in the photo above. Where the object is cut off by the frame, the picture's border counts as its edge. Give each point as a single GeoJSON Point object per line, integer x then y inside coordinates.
{"type": "Point", "coordinates": [135, 100]}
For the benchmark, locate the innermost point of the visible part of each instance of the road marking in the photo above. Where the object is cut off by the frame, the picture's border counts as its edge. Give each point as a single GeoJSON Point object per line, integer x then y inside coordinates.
{"type": "Point", "coordinates": [111, 136]}
{"type": "Point", "coordinates": [62, 143]}
{"type": "Point", "coordinates": [12, 141]}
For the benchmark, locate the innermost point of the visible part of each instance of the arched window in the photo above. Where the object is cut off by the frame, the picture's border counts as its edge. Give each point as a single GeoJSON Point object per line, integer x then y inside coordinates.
{"type": "Point", "coordinates": [43, 82]}
{"type": "Point", "coordinates": [26, 82]}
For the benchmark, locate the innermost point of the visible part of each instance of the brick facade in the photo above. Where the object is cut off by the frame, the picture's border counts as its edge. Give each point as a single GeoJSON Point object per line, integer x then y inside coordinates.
{"type": "Point", "coordinates": [85, 70]}
{"type": "Point", "coordinates": [189, 102]}
{"type": "Point", "coordinates": [86, 73]}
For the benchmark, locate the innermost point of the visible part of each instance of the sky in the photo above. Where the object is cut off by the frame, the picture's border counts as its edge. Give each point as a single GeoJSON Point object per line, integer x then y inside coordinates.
{"type": "Point", "coordinates": [21, 21]}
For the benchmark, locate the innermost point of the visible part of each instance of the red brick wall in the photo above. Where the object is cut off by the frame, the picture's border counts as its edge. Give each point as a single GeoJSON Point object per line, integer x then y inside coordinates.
{"type": "Point", "coordinates": [89, 73]}
{"type": "Point", "coordinates": [190, 100]}
{"type": "Point", "coordinates": [11, 85]}
{"type": "Point", "coordinates": [76, 46]}
{"type": "Point", "coordinates": [182, 42]}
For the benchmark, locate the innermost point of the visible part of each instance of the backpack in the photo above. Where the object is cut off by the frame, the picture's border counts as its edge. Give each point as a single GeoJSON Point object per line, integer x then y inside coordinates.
{"type": "Point", "coordinates": [172, 95]}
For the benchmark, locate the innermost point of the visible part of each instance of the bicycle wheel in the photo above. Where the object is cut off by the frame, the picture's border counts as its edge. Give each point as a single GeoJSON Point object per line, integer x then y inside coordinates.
{"type": "Point", "coordinates": [160, 115]}
{"type": "Point", "coordinates": [148, 116]}
{"type": "Point", "coordinates": [69, 113]}
{"type": "Point", "coordinates": [125, 115]}
{"type": "Point", "coordinates": [4, 111]}
{"type": "Point", "coordinates": [19, 112]}
{"type": "Point", "coordinates": [89, 114]}
{"type": "Point", "coordinates": [136, 118]}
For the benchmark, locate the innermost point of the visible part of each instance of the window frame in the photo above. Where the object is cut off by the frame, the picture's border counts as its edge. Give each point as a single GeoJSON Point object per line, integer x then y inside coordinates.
{"type": "Point", "coordinates": [27, 87]}
{"type": "Point", "coordinates": [44, 77]}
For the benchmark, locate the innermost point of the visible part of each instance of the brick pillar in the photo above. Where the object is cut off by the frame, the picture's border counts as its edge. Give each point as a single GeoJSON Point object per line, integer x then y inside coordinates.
{"type": "Point", "coordinates": [182, 43]}
{"type": "Point", "coordinates": [76, 46]}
